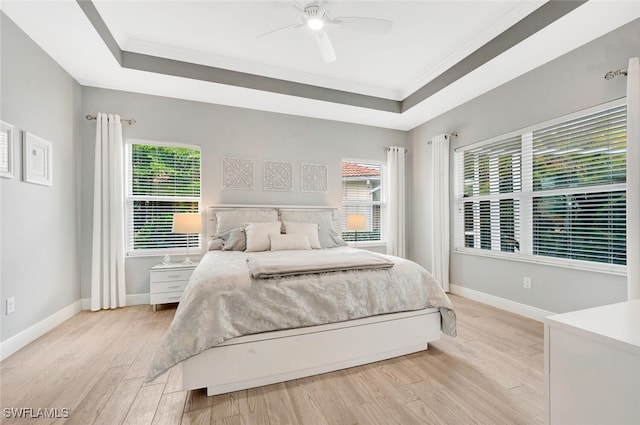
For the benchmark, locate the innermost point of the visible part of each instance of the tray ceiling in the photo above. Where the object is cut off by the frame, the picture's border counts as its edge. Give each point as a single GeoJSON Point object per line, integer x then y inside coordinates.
{"type": "Point", "coordinates": [437, 55]}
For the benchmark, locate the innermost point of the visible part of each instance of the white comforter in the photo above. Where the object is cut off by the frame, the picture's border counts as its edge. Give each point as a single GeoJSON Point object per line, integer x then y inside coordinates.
{"type": "Point", "coordinates": [222, 301]}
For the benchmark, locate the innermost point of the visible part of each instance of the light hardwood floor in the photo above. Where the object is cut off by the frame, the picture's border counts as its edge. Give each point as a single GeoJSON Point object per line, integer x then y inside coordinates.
{"type": "Point", "coordinates": [94, 364]}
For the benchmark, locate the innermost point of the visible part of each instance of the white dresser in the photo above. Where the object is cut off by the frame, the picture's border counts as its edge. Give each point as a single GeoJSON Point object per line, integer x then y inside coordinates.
{"type": "Point", "coordinates": [167, 282]}
{"type": "Point", "coordinates": [592, 366]}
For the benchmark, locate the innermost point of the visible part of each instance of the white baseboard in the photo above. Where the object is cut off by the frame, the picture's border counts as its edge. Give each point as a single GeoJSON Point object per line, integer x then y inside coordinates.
{"type": "Point", "coordinates": [501, 303]}
{"type": "Point", "coordinates": [132, 299]}
{"type": "Point", "coordinates": [16, 342]}
{"type": "Point", "coordinates": [30, 334]}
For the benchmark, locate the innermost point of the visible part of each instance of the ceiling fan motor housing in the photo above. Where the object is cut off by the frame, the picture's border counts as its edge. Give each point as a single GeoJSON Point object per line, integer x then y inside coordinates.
{"type": "Point", "coordinates": [314, 11]}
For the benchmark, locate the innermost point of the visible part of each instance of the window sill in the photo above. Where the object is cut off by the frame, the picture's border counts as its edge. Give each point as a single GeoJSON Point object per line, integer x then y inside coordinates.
{"type": "Point", "coordinates": [547, 261]}
{"type": "Point", "coordinates": [367, 244]}
{"type": "Point", "coordinates": [193, 252]}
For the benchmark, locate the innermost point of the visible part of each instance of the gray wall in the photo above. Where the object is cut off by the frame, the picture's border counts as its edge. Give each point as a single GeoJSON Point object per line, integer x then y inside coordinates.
{"type": "Point", "coordinates": [226, 131]}
{"type": "Point", "coordinates": [568, 84]}
{"type": "Point", "coordinates": [39, 245]}
{"type": "Point", "coordinates": [45, 231]}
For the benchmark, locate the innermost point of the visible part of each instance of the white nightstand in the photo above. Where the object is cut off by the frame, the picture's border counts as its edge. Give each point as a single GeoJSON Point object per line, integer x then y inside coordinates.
{"type": "Point", "coordinates": [167, 282]}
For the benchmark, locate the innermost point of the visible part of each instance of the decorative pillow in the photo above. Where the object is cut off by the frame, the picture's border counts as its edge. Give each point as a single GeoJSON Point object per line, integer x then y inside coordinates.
{"type": "Point", "coordinates": [308, 229]}
{"type": "Point", "coordinates": [258, 235]}
{"type": "Point", "coordinates": [329, 238]}
{"type": "Point", "coordinates": [227, 219]}
{"type": "Point", "coordinates": [236, 240]}
{"type": "Point", "coordinates": [286, 242]}
{"type": "Point", "coordinates": [215, 244]}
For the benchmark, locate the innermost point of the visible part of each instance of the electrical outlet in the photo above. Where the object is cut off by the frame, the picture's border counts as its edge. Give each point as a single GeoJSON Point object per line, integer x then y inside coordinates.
{"type": "Point", "coordinates": [11, 305]}
{"type": "Point", "coordinates": [526, 282]}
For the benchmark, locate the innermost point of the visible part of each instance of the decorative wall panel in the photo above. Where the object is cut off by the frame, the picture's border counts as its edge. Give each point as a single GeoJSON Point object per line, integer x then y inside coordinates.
{"type": "Point", "coordinates": [278, 176]}
{"type": "Point", "coordinates": [237, 174]}
{"type": "Point", "coordinates": [314, 177]}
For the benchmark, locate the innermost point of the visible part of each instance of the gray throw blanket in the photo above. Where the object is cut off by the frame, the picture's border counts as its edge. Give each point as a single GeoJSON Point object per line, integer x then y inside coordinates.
{"type": "Point", "coordinates": [321, 261]}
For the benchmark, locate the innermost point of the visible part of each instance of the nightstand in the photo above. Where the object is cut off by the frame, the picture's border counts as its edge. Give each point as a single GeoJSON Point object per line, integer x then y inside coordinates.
{"type": "Point", "coordinates": [167, 282]}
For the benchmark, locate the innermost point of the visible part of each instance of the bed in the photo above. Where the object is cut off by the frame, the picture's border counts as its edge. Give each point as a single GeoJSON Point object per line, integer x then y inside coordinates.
{"type": "Point", "coordinates": [250, 316]}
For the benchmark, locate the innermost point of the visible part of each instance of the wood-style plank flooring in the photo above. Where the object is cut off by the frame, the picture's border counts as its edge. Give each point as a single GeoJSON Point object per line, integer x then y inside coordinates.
{"type": "Point", "coordinates": [94, 364]}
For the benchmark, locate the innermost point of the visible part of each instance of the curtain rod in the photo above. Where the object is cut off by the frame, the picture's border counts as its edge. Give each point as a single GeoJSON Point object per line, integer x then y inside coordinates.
{"type": "Point", "coordinates": [388, 148]}
{"type": "Point", "coordinates": [612, 74]}
{"type": "Point", "coordinates": [450, 135]}
{"type": "Point", "coordinates": [129, 121]}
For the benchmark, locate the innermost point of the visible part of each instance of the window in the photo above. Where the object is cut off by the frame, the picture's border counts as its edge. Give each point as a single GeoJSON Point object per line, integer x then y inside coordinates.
{"type": "Point", "coordinates": [161, 179]}
{"type": "Point", "coordinates": [362, 195]}
{"type": "Point", "coordinates": [557, 190]}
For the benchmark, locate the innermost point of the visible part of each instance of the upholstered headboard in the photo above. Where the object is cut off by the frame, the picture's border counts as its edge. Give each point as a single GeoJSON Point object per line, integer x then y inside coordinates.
{"type": "Point", "coordinates": [239, 214]}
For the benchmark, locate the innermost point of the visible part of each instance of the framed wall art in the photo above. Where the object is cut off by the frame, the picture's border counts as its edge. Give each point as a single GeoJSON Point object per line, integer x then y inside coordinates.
{"type": "Point", "coordinates": [37, 159]}
{"type": "Point", "coordinates": [7, 150]}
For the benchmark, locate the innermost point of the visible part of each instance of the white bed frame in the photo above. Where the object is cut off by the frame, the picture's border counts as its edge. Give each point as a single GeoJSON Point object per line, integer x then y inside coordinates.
{"type": "Point", "coordinates": [271, 357]}
{"type": "Point", "coordinates": [263, 359]}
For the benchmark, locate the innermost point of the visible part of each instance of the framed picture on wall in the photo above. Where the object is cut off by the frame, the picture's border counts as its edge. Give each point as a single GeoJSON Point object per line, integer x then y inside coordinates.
{"type": "Point", "coordinates": [37, 159]}
{"type": "Point", "coordinates": [7, 150]}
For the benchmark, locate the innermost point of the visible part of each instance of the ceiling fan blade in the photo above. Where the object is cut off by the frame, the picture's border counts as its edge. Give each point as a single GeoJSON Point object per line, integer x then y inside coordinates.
{"type": "Point", "coordinates": [288, 27]}
{"type": "Point", "coordinates": [325, 46]}
{"type": "Point", "coordinates": [370, 25]}
{"type": "Point", "coordinates": [298, 5]}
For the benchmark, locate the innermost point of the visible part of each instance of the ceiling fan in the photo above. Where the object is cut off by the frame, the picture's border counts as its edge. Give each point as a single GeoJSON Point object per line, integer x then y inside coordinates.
{"type": "Point", "coordinates": [316, 17]}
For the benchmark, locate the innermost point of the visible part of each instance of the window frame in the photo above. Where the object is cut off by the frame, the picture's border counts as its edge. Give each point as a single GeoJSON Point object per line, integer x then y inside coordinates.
{"type": "Point", "coordinates": [382, 203]}
{"type": "Point", "coordinates": [129, 200]}
{"type": "Point", "coordinates": [526, 196]}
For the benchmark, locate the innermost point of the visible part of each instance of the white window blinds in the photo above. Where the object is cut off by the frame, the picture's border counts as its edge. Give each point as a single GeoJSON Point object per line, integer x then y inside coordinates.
{"type": "Point", "coordinates": [586, 151]}
{"type": "Point", "coordinates": [161, 180]}
{"type": "Point", "coordinates": [491, 175]}
{"type": "Point", "coordinates": [362, 196]}
{"type": "Point", "coordinates": [579, 176]}
{"type": "Point", "coordinates": [556, 190]}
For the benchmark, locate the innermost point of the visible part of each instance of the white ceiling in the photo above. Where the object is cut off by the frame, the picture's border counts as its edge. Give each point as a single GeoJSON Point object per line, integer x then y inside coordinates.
{"type": "Point", "coordinates": [421, 45]}
{"type": "Point", "coordinates": [428, 38]}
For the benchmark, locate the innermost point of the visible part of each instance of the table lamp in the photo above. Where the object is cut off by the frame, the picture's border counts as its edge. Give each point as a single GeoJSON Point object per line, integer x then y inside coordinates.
{"type": "Point", "coordinates": [187, 223]}
{"type": "Point", "coordinates": [356, 222]}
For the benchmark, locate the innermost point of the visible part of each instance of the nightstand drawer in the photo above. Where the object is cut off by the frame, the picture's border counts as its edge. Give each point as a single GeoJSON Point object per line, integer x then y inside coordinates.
{"type": "Point", "coordinates": [158, 287]}
{"type": "Point", "coordinates": [170, 275]}
{"type": "Point", "coordinates": [165, 297]}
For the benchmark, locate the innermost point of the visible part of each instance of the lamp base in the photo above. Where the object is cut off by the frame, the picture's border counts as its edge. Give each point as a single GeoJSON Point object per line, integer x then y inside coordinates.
{"type": "Point", "coordinates": [187, 261]}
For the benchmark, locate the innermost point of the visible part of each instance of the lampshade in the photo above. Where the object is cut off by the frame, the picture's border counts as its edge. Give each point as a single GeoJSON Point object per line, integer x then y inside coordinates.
{"type": "Point", "coordinates": [356, 222]}
{"type": "Point", "coordinates": [187, 223]}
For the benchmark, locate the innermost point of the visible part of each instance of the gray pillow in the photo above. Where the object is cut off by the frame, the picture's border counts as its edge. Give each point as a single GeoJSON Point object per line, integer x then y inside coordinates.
{"type": "Point", "coordinates": [329, 238]}
{"type": "Point", "coordinates": [215, 244]}
{"type": "Point", "coordinates": [234, 240]}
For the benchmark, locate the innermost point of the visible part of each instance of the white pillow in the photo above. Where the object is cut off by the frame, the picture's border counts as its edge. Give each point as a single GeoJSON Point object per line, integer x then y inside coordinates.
{"type": "Point", "coordinates": [258, 235]}
{"type": "Point", "coordinates": [308, 229]}
{"type": "Point", "coordinates": [286, 242]}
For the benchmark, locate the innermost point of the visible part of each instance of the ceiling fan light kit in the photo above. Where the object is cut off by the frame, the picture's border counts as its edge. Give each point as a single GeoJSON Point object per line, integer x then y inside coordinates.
{"type": "Point", "coordinates": [315, 16]}
{"type": "Point", "coordinates": [315, 24]}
